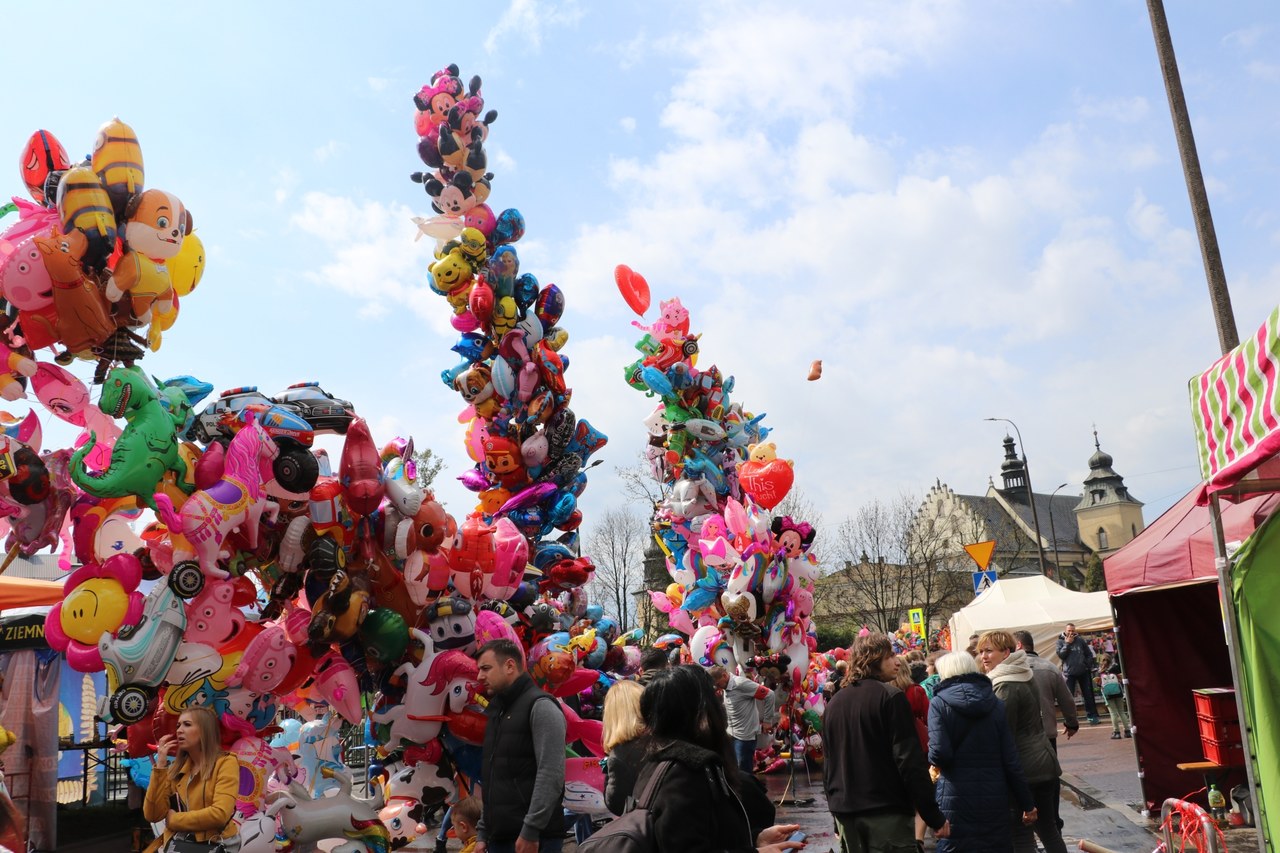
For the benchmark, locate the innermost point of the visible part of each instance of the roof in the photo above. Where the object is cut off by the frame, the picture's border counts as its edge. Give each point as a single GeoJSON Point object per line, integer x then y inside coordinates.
{"type": "Point", "coordinates": [1057, 520]}
{"type": "Point", "coordinates": [1177, 548]}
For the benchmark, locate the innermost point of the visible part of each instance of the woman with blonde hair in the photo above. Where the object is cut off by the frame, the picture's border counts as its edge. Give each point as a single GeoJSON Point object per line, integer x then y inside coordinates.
{"type": "Point", "coordinates": [626, 740]}
{"type": "Point", "coordinates": [195, 794]}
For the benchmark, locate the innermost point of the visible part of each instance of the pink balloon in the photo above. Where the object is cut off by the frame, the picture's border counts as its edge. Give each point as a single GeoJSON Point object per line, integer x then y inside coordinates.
{"type": "Point", "coordinates": [464, 322]}
{"type": "Point", "coordinates": [491, 626]}
{"type": "Point", "coordinates": [512, 554]}
{"type": "Point", "coordinates": [481, 217]}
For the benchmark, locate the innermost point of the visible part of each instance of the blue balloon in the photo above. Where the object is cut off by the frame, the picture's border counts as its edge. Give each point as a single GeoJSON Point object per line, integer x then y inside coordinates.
{"type": "Point", "coordinates": [509, 228]}
{"type": "Point", "coordinates": [473, 346]}
{"type": "Point", "coordinates": [594, 612]}
{"type": "Point", "coordinates": [656, 381]}
{"type": "Point", "coordinates": [526, 292]}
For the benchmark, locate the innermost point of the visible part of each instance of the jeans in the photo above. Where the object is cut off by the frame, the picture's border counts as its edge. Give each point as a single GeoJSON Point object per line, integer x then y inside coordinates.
{"type": "Point", "coordinates": [1085, 680]}
{"type": "Point", "coordinates": [1047, 795]}
{"type": "Point", "coordinates": [546, 845]}
{"type": "Point", "coordinates": [745, 752]}
{"type": "Point", "coordinates": [877, 833]}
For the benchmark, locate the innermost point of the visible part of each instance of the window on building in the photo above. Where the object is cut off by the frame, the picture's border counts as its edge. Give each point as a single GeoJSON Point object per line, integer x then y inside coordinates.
{"type": "Point", "coordinates": [1133, 530]}
{"type": "Point", "coordinates": [1102, 539]}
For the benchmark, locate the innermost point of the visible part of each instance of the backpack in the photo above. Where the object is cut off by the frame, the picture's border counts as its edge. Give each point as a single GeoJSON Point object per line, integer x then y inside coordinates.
{"type": "Point", "coordinates": [633, 831]}
{"type": "Point", "coordinates": [1111, 685]}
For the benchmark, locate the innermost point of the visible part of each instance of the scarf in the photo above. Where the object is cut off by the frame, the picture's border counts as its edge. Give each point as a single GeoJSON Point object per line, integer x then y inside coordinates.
{"type": "Point", "coordinates": [1012, 668]}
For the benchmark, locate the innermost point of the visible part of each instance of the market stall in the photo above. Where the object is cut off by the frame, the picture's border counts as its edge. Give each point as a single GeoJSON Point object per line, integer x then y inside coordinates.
{"type": "Point", "coordinates": [1034, 604]}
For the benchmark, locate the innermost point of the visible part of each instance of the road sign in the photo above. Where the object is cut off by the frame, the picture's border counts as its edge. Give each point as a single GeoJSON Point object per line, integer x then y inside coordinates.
{"type": "Point", "coordinates": [981, 553]}
{"type": "Point", "coordinates": [916, 615]}
{"type": "Point", "coordinates": [982, 581]}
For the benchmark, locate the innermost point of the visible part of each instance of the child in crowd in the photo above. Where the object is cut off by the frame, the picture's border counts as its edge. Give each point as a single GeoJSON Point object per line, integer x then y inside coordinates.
{"type": "Point", "coordinates": [1113, 695]}
{"type": "Point", "coordinates": [466, 814]}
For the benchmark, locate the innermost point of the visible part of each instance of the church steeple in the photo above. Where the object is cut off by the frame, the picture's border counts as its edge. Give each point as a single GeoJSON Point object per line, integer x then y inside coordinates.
{"type": "Point", "coordinates": [1107, 514]}
{"type": "Point", "coordinates": [1014, 473]}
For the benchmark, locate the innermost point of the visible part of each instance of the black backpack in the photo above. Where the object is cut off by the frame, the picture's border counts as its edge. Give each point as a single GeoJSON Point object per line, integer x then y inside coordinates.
{"type": "Point", "coordinates": [633, 831]}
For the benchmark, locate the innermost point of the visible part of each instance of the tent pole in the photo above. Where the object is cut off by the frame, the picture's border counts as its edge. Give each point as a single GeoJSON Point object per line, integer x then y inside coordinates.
{"type": "Point", "coordinates": [1232, 632]}
{"type": "Point", "coordinates": [1115, 632]}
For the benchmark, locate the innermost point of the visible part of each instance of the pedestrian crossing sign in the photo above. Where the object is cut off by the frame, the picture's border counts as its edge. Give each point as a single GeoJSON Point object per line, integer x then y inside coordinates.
{"type": "Point", "coordinates": [982, 581]}
{"type": "Point", "coordinates": [916, 615]}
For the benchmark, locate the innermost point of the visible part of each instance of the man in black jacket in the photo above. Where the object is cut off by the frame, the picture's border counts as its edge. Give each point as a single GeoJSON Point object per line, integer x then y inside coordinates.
{"type": "Point", "coordinates": [523, 760]}
{"type": "Point", "coordinates": [1077, 667]}
{"type": "Point", "coordinates": [875, 772]}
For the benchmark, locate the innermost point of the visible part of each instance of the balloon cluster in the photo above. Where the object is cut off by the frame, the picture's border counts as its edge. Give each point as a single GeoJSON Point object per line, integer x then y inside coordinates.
{"type": "Point", "coordinates": [742, 582]}
{"type": "Point", "coordinates": [96, 263]}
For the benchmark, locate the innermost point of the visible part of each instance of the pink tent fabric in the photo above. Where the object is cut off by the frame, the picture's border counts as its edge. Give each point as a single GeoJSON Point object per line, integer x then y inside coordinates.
{"type": "Point", "coordinates": [1178, 546]}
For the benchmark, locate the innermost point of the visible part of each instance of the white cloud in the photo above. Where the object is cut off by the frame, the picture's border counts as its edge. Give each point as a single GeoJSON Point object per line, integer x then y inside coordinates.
{"type": "Point", "coordinates": [627, 123]}
{"type": "Point", "coordinates": [526, 20]}
{"type": "Point", "coordinates": [286, 181]}
{"type": "Point", "coordinates": [372, 254]}
{"type": "Point", "coordinates": [1267, 71]}
{"type": "Point", "coordinates": [1121, 109]}
{"type": "Point", "coordinates": [379, 84]}
{"type": "Point", "coordinates": [1246, 38]}
{"type": "Point", "coordinates": [327, 151]}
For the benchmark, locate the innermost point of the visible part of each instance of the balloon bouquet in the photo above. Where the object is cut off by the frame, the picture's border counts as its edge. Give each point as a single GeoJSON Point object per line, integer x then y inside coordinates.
{"type": "Point", "coordinates": [513, 569]}
{"type": "Point", "coordinates": [741, 580]}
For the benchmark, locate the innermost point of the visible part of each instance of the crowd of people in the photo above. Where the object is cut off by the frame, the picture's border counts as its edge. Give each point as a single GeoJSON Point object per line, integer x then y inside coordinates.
{"type": "Point", "coordinates": [962, 743]}
{"type": "Point", "coordinates": [983, 772]}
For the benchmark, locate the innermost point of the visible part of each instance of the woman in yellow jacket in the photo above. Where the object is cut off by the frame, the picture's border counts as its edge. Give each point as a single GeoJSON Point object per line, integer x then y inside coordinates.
{"type": "Point", "coordinates": [204, 779]}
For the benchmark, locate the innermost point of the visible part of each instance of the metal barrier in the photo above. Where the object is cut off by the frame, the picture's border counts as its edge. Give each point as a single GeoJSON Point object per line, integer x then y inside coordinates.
{"type": "Point", "coordinates": [1208, 827]}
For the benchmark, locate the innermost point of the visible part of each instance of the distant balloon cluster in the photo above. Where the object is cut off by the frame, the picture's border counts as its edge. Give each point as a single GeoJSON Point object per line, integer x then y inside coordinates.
{"type": "Point", "coordinates": [742, 581]}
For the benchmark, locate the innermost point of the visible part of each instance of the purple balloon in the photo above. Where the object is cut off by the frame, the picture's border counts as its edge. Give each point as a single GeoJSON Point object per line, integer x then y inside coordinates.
{"type": "Point", "coordinates": [550, 305]}
{"type": "Point", "coordinates": [528, 497]}
{"type": "Point", "coordinates": [474, 480]}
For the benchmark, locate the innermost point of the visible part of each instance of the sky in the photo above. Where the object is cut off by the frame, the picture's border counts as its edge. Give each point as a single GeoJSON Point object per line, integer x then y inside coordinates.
{"type": "Point", "coordinates": [965, 210]}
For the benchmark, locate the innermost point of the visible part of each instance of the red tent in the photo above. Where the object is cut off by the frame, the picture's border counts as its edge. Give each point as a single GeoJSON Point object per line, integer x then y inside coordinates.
{"type": "Point", "coordinates": [1164, 590]}
{"type": "Point", "coordinates": [1178, 546]}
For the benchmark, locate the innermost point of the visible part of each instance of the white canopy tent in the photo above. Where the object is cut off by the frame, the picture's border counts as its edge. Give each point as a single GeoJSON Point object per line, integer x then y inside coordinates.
{"type": "Point", "coordinates": [1034, 604]}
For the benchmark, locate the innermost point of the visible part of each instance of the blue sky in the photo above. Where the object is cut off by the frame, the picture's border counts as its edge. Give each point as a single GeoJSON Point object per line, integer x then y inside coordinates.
{"type": "Point", "coordinates": [966, 210]}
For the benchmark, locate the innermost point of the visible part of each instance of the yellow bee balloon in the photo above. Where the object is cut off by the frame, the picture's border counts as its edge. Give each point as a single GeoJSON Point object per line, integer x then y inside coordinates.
{"type": "Point", "coordinates": [186, 267]}
{"type": "Point", "coordinates": [84, 204]}
{"type": "Point", "coordinates": [117, 161]}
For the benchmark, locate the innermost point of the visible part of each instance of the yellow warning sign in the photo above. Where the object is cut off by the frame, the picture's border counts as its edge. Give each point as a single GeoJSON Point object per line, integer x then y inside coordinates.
{"type": "Point", "coordinates": [981, 552]}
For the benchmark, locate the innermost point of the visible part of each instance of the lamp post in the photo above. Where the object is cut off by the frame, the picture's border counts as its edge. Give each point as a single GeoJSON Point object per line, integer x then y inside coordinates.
{"type": "Point", "coordinates": [1031, 497]}
{"type": "Point", "coordinates": [1053, 534]}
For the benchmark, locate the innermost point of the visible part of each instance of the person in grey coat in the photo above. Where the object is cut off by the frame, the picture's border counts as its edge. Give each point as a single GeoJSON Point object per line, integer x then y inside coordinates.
{"type": "Point", "coordinates": [1077, 666]}
{"type": "Point", "coordinates": [1012, 679]}
{"type": "Point", "coordinates": [1054, 695]}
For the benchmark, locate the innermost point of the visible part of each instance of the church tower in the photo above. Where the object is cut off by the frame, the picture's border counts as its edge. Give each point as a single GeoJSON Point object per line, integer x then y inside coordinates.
{"type": "Point", "coordinates": [1107, 515]}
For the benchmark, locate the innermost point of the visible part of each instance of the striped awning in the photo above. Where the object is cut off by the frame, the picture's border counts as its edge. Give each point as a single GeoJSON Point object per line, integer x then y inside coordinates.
{"type": "Point", "coordinates": [1236, 409]}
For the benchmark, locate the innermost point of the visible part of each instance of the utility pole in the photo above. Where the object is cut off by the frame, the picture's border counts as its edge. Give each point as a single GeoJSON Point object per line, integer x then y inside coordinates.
{"type": "Point", "coordinates": [1220, 298]}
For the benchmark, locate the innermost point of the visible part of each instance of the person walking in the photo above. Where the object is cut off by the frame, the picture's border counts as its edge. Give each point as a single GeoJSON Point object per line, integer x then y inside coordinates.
{"type": "Point", "coordinates": [522, 758]}
{"type": "Point", "coordinates": [1011, 679]}
{"type": "Point", "coordinates": [1054, 695]}
{"type": "Point", "coordinates": [1113, 695]}
{"type": "Point", "coordinates": [696, 807]}
{"type": "Point", "coordinates": [740, 695]}
{"type": "Point", "coordinates": [978, 770]}
{"type": "Point", "coordinates": [195, 794]}
{"type": "Point", "coordinates": [625, 740]}
{"type": "Point", "coordinates": [874, 772]}
{"type": "Point", "coordinates": [1077, 666]}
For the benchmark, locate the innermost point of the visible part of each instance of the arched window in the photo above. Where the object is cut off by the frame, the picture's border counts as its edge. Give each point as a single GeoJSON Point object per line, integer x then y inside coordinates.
{"type": "Point", "coordinates": [1102, 539]}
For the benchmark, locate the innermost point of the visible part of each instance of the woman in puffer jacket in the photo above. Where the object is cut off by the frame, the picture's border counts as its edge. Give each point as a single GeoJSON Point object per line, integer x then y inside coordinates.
{"type": "Point", "coordinates": [1010, 673]}
{"type": "Point", "coordinates": [970, 744]}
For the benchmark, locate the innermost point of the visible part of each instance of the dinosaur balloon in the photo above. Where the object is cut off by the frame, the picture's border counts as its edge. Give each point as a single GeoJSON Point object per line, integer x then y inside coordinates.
{"type": "Point", "coordinates": [145, 450]}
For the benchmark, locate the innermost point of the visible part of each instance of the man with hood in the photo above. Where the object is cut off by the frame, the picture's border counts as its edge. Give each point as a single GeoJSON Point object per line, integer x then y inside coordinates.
{"type": "Point", "coordinates": [1011, 676]}
{"type": "Point", "coordinates": [1054, 693]}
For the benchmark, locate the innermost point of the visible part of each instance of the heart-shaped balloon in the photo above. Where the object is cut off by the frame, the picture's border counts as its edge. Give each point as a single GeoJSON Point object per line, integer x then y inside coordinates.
{"type": "Point", "coordinates": [767, 482]}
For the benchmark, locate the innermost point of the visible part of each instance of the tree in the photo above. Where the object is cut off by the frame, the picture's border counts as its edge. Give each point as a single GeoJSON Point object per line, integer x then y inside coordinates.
{"type": "Point", "coordinates": [429, 465]}
{"type": "Point", "coordinates": [893, 559]}
{"type": "Point", "coordinates": [639, 486]}
{"type": "Point", "coordinates": [616, 546]}
{"type": "Point", "coordinates": [1094, 578]}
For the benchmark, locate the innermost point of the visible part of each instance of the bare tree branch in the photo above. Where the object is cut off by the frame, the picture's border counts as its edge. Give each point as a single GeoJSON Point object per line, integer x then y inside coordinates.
{"type": "Point", "coordinates": [639, 486]}
{"type": "Point", "coordinates": [616, 545]}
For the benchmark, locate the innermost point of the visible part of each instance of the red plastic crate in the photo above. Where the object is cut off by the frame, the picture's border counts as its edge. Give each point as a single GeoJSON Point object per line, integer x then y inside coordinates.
{"type": "Point", "coordinates": [1226, 754]}
{"type": "Point", "coordinates": [1218, 703]}
{"type": "Point", "coordinates": [1221, 731]}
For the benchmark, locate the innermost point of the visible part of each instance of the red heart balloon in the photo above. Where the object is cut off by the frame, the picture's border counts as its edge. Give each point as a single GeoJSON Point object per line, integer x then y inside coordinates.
{"type": "Point", "coordinates": [633, 287]}
{"type": "Point", "coordinates": [767, 482]}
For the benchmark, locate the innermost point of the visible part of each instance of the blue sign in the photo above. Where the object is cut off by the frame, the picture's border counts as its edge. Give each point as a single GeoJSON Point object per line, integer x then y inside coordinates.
{"type": "Point", "coordinates": [983, 581]}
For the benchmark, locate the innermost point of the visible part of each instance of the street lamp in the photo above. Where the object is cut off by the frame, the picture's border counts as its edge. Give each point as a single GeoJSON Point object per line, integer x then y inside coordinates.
{"type": "Point", "coordinates": [1031, 497]}
{"type": "Point", "coordinates": [1053, 534]}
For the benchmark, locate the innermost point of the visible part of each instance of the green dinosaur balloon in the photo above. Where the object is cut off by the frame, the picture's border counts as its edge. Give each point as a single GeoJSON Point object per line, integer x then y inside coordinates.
{"type": "Point", "coordinates": [145, 450]}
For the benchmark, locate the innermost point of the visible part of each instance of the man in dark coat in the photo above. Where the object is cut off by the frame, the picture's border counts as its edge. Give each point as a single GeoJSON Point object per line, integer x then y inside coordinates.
{"type": "Point", "coordinates": [875, 773]}
{"type": "Point", "coordinates": [523, 761]}
{"type": "Point", "coordinates": [1077, 667]}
